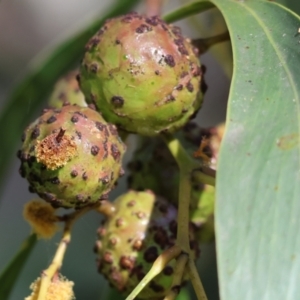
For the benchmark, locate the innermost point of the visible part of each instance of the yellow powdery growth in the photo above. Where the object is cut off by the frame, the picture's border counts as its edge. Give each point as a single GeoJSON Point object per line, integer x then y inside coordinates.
{"type": "Point", "coordinates": [55, 150]}
{"type": "Point", "coordinates": [60, 289]}
{"type": "Point", "coordinates": [40, 215]}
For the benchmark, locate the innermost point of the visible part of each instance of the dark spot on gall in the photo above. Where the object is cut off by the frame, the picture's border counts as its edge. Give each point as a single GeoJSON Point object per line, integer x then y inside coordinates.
{"type": "Point", "coordinates": [118, 42]}
{"type": "Point", "coordinates": [151, 254]}
{"type": "Point", "coordinates": [169, 60]}
{"type": "Point", "coordinates": [117, 101]}
{"type": "Point", "coordinates": [108, 258]}
{"type": "Point", "coordinates": [168, 270]}
{"type": "Point", "coordinates": [51, 119]}
{"type": "Point", "coordinates": [78, 134]}
{"type": "Point", "coordinates": [126, 262]}
{"type": "Point", "coordinates": [84, 176]}
{"type": "Point", "coordinates": [143, 28]}
{"type": "Point", "coordinates": [35, 133]}
{"type": "Point", "coordinates": [104, 180]}
{"type": "Point", "coordinates": [54, 180]}
{"type": "Point", "coordinates": [95, 150]}
{"type": "Point", "coordinates": [94, 68]}
{"type": "Point", "coordinates": [74, 173]}
{"type": "Point", "coordinates": [156, 287]}
{"type": "Point", "coordinates": [80, 197]}
{"type": "Point", "coordinates": [115, 152]}
{"type": "Point", "coordinates": [190, 87]}
{"type": "Point", "coordinates": [74, 119]}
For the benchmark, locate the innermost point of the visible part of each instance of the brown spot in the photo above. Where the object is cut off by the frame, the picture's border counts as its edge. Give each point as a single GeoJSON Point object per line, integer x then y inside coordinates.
{"type": "Point", "coordinates": [117, 101]}
{"type": "Point", "coordinates": [179, 87]}
{"type": "Point", "coordinates": [48, 197]}
{"type": "Point", "coordinates": [140, 215]}
{"type": "Point", "coordinates": [131, 203]}
{"type": "Point", "coordinates": [80, 197]}
{"type": "Point", "coordinates": [107, 257]}
{"type": "Point", "coordinates": [35, 133]}
{"type": "Point", "coordinates": [152, 21]}
{"type": "Point", "coordinates": [74, 119]}
{"type": "Point", "coordinates": [84, 176]}
{"type": "Point", "coordinates": [94, 68]}
{"type": "Point", "coordinates": [101, 231]}
{"type": "Point", "coordinates": [119, 222]}
{"type": "Point", "coordinates": [190, 87]}
{"type": "Point", "coordinates": [126, 262]}
{"type": "Point", "coordinates": [156, 287]}
{"type": "Point", "coordinates": [79, 135]}
{"type": "Point", "coordinates": [143, 28]}
{"type": "Point", "coordinates": [113, 241]}
{"type": "Point", "coordinates": [115, 152]}
{"type": "Point", "coordinates": [74, 173]}
{"type": "Point", "coordinates": [151, 254]}
{"type": "Point", "coordinates": [137, 245]}
{"type": "Point", "coordinates": [100, 126]}
{"type": "Point", "coordinates": [104, 180]}
{"type": "Point", "coordinates": [51, 119]}
{"type": "Point", "coordinates": [54, 180]}
{"type": "Point", "coordinates": [156, 72]}
{"type": "Point", "coordinates": [95, 150]}
{"type": "Point", "coordinates": [176, 289]}
{"type": "Point", "coordinates": [169, 59]}
{"type": "Point", "coordinates": [168, 270]}
{"type": "Point", "coordinates": [113, 129]}
{"type": "Point", "coordinates": [288, 142]}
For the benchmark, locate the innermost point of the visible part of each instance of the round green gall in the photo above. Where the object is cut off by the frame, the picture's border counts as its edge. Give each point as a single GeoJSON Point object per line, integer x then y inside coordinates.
{"type": "Point", "coordinates": [129, 241]}
{"type": "Point", "coordinates": [142, 74]}
{"type": "Point", "coordinates": [66, 91]}
{"type": "Point", "coordinates": [71, 156]}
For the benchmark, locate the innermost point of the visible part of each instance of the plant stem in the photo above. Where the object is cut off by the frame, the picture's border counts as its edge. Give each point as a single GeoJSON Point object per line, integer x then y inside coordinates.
{"type": "Point", "coordinates": [177, 277]}
{"type": "Point", "coordinates": [56, 263]}
{"type": "Point", "coordinates": [205, 43]}
{"type": "Point", "coordinates": [156, 268]}
{"type": "Point", "coordinates": [186, 166]}
{"type": "Point", "coordinates": [196, 281]}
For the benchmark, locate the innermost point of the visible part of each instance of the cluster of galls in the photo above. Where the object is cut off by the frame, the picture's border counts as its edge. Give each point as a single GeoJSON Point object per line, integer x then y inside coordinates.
{"type": "Point", "coordinates": [142, 76]}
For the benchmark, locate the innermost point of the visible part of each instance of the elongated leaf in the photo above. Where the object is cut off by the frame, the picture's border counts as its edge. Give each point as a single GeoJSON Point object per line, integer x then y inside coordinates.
{"type": "Point", "coordinates": [9, 276]}
{"type": "Point", "coordinates": [26, 97]}
{"type": "Point", "coordinates": [258, 188]}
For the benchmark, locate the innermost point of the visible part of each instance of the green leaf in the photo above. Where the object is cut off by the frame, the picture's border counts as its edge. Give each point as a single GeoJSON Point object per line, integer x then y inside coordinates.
{"type": "Point", "coordinates": [26, 98]}
{"type": "Point", "coordinates": [258, 190]}
{"type": "Point", "coordinates": [10, 274]}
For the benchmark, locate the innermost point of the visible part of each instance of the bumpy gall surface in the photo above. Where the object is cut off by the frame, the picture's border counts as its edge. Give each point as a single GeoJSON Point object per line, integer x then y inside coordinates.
{"type": "Point", "coordinates": [71, 156]}
{"type": "Point", "coordinates": [129, 242]}
{"type": "Point", "coordinates": [142, 74]}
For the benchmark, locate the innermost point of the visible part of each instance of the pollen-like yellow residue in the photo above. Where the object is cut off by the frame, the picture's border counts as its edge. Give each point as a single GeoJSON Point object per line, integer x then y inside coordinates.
{"type": "Point", "coordinates": [41, 216]}
{"type": "Point", "coordinates": [60, 289]}
{"type": "Point", "coordinates": [55, 150]}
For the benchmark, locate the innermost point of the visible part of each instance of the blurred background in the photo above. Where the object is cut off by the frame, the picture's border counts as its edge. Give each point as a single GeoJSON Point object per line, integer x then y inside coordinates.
{"type": "Point", "coordinates": [29, 29]}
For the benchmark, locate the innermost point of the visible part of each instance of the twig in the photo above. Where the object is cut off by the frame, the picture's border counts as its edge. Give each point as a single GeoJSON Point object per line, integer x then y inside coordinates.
{"type": "Point", "coordinates": [156, 268]}
{"type": "Point", "coordinates": [205, 43]}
